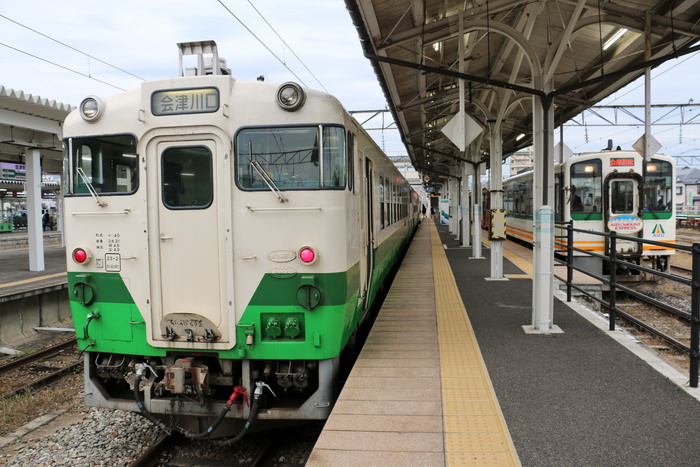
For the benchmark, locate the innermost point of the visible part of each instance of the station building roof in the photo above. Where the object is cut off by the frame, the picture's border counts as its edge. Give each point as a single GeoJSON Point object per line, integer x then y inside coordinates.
{"type": "Point", "coordinates": [572, 53]}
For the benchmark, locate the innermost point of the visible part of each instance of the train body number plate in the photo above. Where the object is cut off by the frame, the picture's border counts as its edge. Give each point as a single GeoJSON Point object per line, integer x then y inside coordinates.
{"type": "Point", "coordinates": [113, 262]}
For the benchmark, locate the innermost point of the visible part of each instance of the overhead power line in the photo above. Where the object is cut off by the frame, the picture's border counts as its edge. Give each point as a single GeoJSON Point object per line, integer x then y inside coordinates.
{"type": "Point", "coordinates": [263, 44]}
{"type": "Point", "coordinates": [61, 66]}
{"type": "Point", "coordinates": [73, 48]}
{"type": "Point", "coordinates": [285, 43]}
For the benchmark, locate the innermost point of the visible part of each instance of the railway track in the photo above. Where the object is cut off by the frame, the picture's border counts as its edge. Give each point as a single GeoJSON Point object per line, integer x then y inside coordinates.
{"type": "Point", "coordinates": [258, 449]}
{"type": "Point", "coordinates": [38, 369]}
{"type": "Point", "coordinates": [681, 270]}
{"type": "Point", "coordinates": [676, 326]}
{"type": "Point", "coordinates": [163, 453]}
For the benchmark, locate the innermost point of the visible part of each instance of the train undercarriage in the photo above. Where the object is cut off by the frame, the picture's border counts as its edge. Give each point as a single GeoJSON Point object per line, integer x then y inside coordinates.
{"type": "Point", "coordinates": [188, 391]}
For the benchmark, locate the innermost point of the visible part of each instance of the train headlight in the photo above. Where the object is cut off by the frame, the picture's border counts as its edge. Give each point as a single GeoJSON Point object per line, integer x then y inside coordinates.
{"type": "Point", "coordinates": [307, 255]}
{"type": "Point", "coordinates": [81, 255]}
{"type": "Point", "coordinates": [290, 96]}
{"type": "Point", "coordinates": [91, 108]}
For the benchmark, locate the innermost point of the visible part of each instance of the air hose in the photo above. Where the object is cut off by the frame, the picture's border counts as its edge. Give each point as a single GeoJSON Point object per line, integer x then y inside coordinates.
{"type": "Point", "coordinates": [237, 391]}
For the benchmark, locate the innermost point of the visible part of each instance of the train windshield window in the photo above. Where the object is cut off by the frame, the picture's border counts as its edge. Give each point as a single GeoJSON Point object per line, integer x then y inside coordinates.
{"type": "Point", "coordinates": [586, 187]}
{"type": "Point", "coordinates": [107, 164]}
{"type": "Point", "coordinates": [187, 177]}
{"type": "Point", "coordinates": [290, 157]}
{"type": "Point", "coordinates": [658, 186]}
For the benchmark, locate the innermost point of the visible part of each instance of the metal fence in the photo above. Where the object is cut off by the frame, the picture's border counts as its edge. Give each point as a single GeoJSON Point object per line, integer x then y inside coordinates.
{"type": "Point", "coordinates": [614, 263]}
{"type": "Point", "coordinates": [685, 209]}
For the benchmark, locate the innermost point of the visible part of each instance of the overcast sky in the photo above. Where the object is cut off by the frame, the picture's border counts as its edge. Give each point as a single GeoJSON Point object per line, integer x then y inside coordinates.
{"type": "Point", "coordinates": [140, 37]}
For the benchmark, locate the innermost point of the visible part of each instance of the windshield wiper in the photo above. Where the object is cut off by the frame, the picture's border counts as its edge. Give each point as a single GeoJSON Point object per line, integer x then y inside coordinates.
{"type": "Point", "coordinates": [264, 176]}
{"type": "Point", "coordinates": [90, 188]}
{"type": "Point", "coordinates": [268, 181]}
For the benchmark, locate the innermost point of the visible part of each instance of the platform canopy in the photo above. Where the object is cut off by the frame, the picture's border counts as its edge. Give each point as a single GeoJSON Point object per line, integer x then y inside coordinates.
{"type": "Point", "coordinates": [570, 53]}
{"type": "Point", "coordinates": [29, 122]}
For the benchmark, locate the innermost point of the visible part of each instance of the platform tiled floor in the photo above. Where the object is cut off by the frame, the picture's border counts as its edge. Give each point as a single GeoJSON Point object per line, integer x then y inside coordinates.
{"type": "Point", "coordinates": [419, 394]}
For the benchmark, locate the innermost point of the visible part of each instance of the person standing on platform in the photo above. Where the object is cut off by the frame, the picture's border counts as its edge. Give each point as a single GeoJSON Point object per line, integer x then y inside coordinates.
{"type": "Point", "coordinates": [45, 219]}
{"type": "Point", "coordinates": [424, 211]}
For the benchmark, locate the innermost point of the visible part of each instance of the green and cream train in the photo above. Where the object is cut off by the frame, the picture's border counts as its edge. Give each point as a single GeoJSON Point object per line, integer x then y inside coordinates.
{"type": "Point", "coordinates": [603, 192]}
{"type": "Point", "coordinates": [224, 236]}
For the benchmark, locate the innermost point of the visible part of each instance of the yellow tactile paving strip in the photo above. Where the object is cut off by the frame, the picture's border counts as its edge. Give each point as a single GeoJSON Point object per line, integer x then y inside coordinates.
{"type": "Point", "coordinates": [419, 393]}
{"type": "Point", "coordinates": [475, 430]}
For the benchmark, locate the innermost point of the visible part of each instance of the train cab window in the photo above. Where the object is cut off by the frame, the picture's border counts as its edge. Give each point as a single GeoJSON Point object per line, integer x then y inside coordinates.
{"type": "Point", "coordinates": [106, 164]}
{"type": "Point", "coordinates": [333, 157]}
{"type": "Point", "coordinates": [658, 185]}
{"type": "Point", "coordinates": [187, 177]}
{"type": "Point", "coordinates": [290, 158]}
{"type": "Point", "coordinates": [585, 190]}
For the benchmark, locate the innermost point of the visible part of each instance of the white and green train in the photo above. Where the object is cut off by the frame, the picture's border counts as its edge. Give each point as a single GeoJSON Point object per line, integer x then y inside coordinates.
{"type": "Point", "coordinates": [603, 192]}
{"type": "Point", "coordinates": [224, 235]}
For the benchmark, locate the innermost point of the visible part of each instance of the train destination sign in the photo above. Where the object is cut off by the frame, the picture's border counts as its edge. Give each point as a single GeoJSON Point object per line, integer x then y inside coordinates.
{"type": "Point", "coordinates": [626, 224]}
{"type": "Point", "coordinates": [185, 101]}
{"type": "Point", "coordinates": [622, 162]}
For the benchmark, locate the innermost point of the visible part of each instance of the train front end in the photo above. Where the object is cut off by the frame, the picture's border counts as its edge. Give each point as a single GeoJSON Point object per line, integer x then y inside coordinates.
{"type": "Point", "coordinates": [212, 249]}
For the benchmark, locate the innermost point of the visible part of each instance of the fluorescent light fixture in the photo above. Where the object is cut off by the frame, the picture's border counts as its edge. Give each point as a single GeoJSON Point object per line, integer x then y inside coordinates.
{"type": "Point", "coordinates": [614, 38]}
{"type": "Point", "coordinates": [187, 174]}
{"type": "Point", "coordinates": [130, 156]}
{"type": "Point", "coordinates": [520, 136]}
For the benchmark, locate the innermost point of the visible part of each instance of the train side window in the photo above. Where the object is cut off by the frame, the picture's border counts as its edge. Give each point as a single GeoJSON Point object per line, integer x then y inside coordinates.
{"type": "Point", "coordinates": [658, 183]}
{"type": "Point", "coordinates": [381, 201]}
{"type": "Point", "coordinates": [387, 204]}
{"type": "Point", "coordinates": [584, 196]}
{"type": "Point", "coordinates": [187, 178]}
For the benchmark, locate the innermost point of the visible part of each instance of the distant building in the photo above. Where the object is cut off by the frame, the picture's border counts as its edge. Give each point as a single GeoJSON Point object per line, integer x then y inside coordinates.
{"type": "Point", "coordinates": [521, 161]}
{"type": "Point", "coordinates": [687, 187]}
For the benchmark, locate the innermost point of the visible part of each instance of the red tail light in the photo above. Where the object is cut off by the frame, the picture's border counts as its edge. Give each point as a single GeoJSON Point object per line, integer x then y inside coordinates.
{"type": "Point", "coordinates": [80, 256]}
{"type": "Point", "coordinates": [307, 255]}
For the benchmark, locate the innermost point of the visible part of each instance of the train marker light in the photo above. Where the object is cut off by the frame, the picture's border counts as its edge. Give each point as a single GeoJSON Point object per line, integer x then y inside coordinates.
{"type": "Point", "coordinates": [91, 108]}
{"type": "Point", "coordinates": [81, 256]}
{"type": "Point", "coordinates": [290, 96]}
{"type": "Point", "coordinates": [307, 255]}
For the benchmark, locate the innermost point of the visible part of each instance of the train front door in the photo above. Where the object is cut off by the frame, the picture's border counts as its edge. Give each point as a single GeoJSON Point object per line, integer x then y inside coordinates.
{"type": "Point", "coordinates": [622, 199]}
{"type": "Point", "coordinates": [188, 270]}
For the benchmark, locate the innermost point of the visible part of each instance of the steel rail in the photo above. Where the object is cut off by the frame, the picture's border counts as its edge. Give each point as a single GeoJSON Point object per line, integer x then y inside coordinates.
{"type": "Point", "coordinates": [151, 456]}
{"type": "Point", "coordinates": [39, 355]}
{"type": "Point", "coordinates": [44, 381]}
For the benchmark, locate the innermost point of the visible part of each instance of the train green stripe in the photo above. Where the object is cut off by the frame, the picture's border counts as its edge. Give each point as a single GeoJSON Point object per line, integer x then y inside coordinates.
{"type": "Point", "coordinates": [119, 327]}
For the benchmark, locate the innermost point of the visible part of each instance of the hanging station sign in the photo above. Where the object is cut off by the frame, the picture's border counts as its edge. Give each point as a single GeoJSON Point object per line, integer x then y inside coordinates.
{"type": "Point", "coordinates": [12, 171]}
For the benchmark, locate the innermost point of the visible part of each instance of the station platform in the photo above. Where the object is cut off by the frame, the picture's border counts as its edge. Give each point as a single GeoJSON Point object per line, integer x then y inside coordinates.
{"type": "Point", "coordinates": [17, 280]}
{"type": "Point", "coordinates": [587, 396]}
